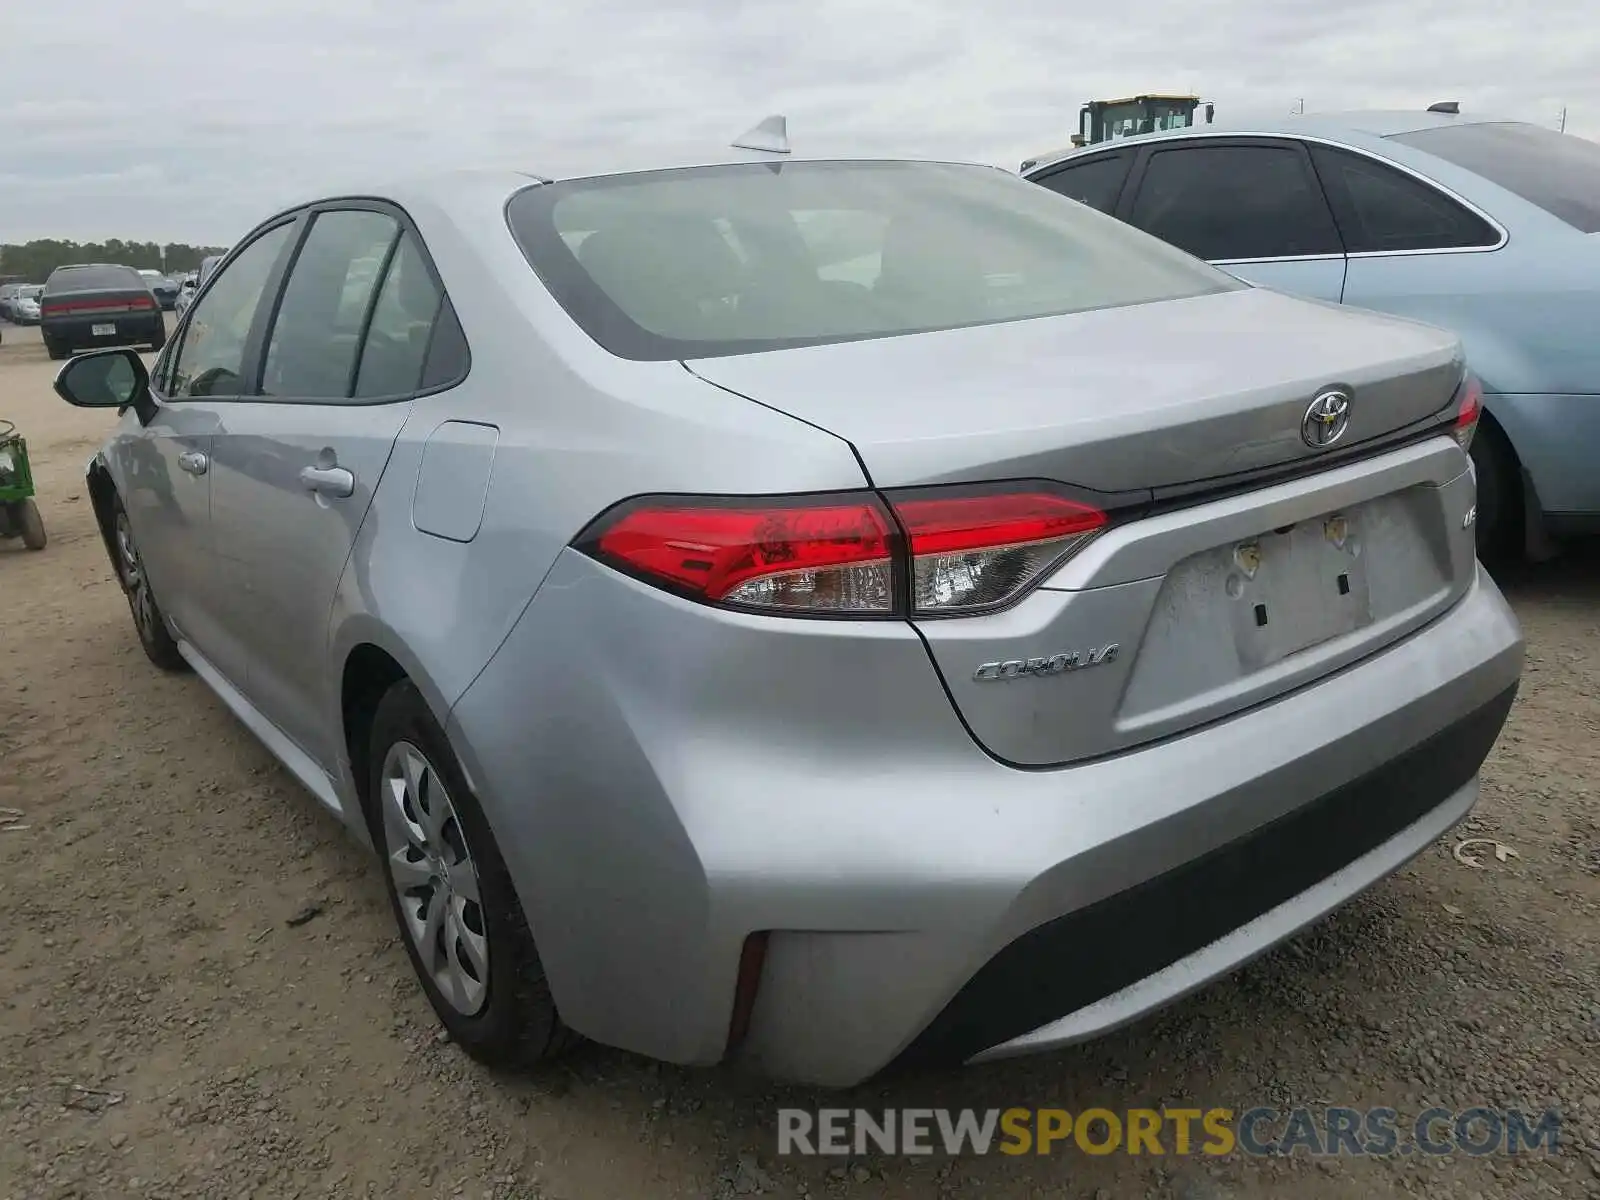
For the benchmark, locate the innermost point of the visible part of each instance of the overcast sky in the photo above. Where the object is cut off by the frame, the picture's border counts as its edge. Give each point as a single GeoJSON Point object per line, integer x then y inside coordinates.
{"type": "Point", "coordinates": [190, 120]}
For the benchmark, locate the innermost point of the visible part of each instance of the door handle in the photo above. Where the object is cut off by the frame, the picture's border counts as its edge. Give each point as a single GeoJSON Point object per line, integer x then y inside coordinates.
{"type": "Point", "coordinates": [328, 481]}
{"type": "Point", "coordinates": [193, 462]}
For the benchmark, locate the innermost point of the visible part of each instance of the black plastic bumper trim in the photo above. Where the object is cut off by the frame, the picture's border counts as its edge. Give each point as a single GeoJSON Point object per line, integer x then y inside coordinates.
{"type": "Point", "coordinates": [1084, 956]}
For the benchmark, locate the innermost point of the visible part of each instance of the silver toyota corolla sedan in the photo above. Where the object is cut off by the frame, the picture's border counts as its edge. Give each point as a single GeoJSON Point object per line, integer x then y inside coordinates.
{"type": "Point", "coordinates": [820, 614]}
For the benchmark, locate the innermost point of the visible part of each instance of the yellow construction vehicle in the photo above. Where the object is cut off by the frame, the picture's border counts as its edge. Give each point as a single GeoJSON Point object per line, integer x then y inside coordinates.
{"type": "Point", "coordinates": [1103, 120]}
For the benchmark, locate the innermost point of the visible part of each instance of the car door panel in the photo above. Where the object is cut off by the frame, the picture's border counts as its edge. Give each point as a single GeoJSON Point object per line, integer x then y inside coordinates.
{"type": "Point", "coordinates": [1251, 206]}
{"type": "Point", "coordinates": [288, 541]}
{"type": "Point", "coordinates": [168, 502]}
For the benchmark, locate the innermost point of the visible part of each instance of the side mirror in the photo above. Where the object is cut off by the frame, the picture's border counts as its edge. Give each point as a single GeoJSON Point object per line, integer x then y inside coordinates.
{"type": "Point", "coordinates": [107, 379]}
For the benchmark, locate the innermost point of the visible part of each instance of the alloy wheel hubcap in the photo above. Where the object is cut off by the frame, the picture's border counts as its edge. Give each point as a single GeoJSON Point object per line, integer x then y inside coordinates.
{"type": "Point", "coordinates": [435, 878]}
{"type": "Point", "coordinates": [133, 579]}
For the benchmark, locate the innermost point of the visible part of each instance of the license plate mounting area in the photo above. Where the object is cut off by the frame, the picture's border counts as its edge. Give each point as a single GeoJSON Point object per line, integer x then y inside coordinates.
{"type": "Point", "coordinates": [1296, 588]}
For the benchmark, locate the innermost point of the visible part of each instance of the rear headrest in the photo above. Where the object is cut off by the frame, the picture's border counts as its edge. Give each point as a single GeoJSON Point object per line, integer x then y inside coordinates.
{"type": "Point", "coordinates": [659, 270]}
{"type": "Point", "coordinates": [417, 294]}
{"type": "Point", "coordinates": [907, 266]}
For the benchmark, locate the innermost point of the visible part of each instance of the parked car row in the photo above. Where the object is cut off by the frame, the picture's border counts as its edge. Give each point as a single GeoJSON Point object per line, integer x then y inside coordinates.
{"type": "Point", "coordinates": [162, 287]}
{"type": "Point", "coordinates": [190, 283]}
{"type": "Point", "coordinates": [1490, 229]}
{"type": "Point", "coordinates": [19, 303]}
{"type": "Point", "coordinates": [819, 613]}
{"type": "Point", "coordinates": [22, 307]}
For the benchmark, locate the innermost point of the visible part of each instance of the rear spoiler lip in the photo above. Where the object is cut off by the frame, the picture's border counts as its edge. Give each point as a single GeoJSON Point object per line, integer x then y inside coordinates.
{"type": "Point", "coordinates": [1178, 496]}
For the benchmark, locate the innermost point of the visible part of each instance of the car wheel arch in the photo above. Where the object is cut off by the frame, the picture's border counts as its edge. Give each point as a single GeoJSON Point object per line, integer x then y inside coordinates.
{"type": "Point", "coordinates": [102, 498]}
{"type": "Point", "coordinates": [371, 663]}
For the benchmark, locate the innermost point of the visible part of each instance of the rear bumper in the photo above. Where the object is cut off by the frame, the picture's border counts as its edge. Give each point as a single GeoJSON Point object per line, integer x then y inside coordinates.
{"type": "Point", "coordinates": [665, 780]}
{"type": "Point", "coordinates": [1121, 957]}
{"type": "Point", "coordinates": [79, 332]}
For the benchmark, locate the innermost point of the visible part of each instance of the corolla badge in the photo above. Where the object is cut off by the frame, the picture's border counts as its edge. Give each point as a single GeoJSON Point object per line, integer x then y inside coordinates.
{"type": "Point", "coordinates": [1055, 664]}
{"type": "Point", "coordinates": [1326, 419]}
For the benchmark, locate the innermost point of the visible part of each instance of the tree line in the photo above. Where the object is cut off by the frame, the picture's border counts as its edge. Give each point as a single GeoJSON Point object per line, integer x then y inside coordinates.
{"type": "Point", "coordinates": [33, 261]}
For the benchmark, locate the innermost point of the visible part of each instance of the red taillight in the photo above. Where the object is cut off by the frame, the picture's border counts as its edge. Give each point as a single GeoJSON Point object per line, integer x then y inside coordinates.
{"type": "Point", "coordinates": [972, 552]}
{"type": "Point", "coordinates": [1469, 407]}
{"type": "Point", "coordinates": [142, 303]}
{"type": "Point", "coordinates": [54, 310]}
{"type": "Point", "coordinates": [823, 554]}
{"type": "Point", "coordinates": [959, 550]}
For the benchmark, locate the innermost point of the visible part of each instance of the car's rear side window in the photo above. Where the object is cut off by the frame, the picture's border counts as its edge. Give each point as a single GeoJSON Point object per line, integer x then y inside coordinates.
{"type": "Point", "coordinates": [86, 279]}
{"type": "Point", "coordinates": [711, 261]}
{"type": "Point", "coordinates": [1558, 172]}
{"type": "Point", "coordinates": [1380, 209]}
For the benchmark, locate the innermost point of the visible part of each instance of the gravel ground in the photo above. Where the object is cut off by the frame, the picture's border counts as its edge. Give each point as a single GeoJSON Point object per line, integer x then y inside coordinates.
{"type": "Point", "coordinates": [166, 1031]}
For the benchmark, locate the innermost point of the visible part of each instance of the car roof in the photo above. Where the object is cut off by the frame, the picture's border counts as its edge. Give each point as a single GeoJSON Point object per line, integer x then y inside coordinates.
{"type": "Point", "coordinates": [1336, 126]}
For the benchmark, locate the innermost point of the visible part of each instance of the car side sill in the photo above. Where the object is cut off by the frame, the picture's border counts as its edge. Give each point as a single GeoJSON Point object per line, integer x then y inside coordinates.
{"type": "Point", "coordinates": [300, 764]}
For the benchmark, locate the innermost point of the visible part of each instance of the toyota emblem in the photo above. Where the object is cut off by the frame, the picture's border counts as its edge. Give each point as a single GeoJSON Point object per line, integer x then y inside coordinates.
{"type": "Point", "coordinates": [1326, 419]}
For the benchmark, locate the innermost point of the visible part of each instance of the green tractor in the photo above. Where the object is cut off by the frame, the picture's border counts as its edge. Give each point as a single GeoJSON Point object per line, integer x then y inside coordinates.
{"type": "Point", "coordinates": [1104, 120]}
{"type": "Point", "coordinates": [19, 515]}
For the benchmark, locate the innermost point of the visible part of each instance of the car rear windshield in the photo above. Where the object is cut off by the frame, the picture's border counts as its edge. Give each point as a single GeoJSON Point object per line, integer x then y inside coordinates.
{"type": "Point", "coordinates": [93, 279]}
{"type": "Point", "coordinates": [711, 261]}
{"type": "Point", "coordinates": [1556, 171]}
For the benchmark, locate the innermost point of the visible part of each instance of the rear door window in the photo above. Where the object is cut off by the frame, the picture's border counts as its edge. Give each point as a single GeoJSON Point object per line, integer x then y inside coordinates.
{"type": "Point", "coordinates": [1558, 172]}
{"type": "Point", "coordinates": [1096, 181]}
{"type": "Point", "coordinates": [1382, 209]}
{"type": "Point", "coordinates": [316, 336]}
{"type": "Point", "coordinates": [1235, 201]}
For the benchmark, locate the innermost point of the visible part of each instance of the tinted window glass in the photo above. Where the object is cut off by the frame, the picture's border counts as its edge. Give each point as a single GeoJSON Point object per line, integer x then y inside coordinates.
{"type": "Point", "coordinates": [83, 279]}
{"type": "Point", "coordinates": [1231, 202]}
{"type": "Point", "coordinates": [1380, 208]}
{"type": "Point", "coordinates": [728, 260]}
{"type": "Point", "coordinates": [311, 353]}
{"type": "Point", "coordinates": [1559, 172]}
{"type": "Point", "coordinates": [397, 341]}
{"type": "Point", "coordinates": [448, 353]}
{"type": "Point", "coordinates": [1095, 183]}
{"type": "Point", "coordinates": [211, 359]}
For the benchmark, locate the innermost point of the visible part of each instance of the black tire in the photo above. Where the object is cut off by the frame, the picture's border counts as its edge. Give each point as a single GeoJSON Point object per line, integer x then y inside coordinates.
{"type": "Point", "coordinates": [27, 521]}
{"type": "Point", "coordinates": [56, 353]}
{"type": "Point", "coordinates": [148, 620]}
{"type": "Point", "coordinates": [159, 341]}
{"type": "Point", "coordinates": [1500, 517]}
{"type": "Point", "coordinates": [517, 1024]}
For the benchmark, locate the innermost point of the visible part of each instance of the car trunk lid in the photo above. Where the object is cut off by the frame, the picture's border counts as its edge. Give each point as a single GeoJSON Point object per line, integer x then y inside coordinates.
{"type": "Point", "coordinates": [1149, 396]}
{"type": "Point", "coordinates": [1211, 592]}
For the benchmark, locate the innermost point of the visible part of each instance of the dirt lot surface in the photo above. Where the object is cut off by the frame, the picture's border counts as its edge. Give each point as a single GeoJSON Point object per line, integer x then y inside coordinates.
{"type": "Point", "coordinates": [166, 1030]}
